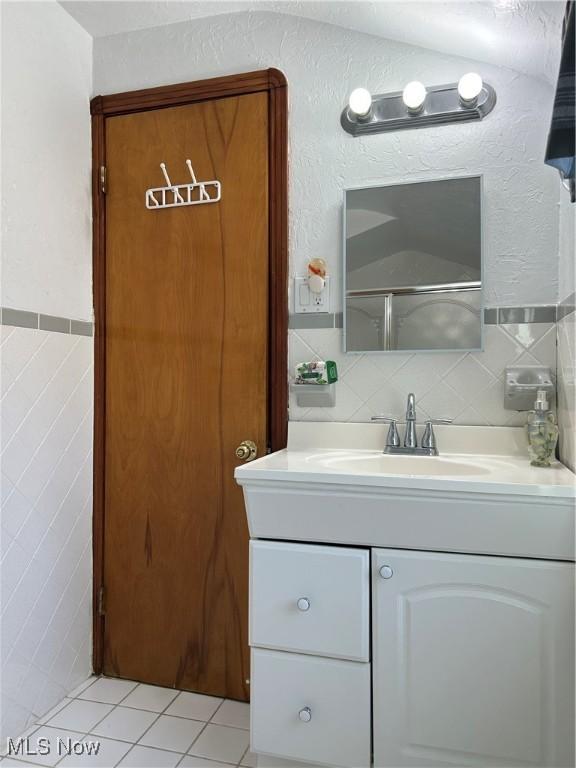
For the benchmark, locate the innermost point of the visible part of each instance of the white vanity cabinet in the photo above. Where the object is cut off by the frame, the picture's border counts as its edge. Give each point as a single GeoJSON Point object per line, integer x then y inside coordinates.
{"type": "Point", "coordinates": [472, 660]}
{"type": "Point", "coordinates": [410, 611]}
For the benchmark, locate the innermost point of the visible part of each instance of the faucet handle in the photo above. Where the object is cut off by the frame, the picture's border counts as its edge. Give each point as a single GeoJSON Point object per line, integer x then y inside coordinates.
{"type": "Point", "coordinates": [429, 438]}
{"type": "Point", "coordinates": [393, 438]}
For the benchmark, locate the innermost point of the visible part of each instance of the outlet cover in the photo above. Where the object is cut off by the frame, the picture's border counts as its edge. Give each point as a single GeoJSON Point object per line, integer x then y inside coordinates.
{"type": "Point", "coordinates": [306, 302]}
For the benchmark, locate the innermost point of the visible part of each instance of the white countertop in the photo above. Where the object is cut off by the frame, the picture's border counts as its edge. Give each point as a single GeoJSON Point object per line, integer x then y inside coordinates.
{"type": "Point", "coordinates": [473, 460]}
{"type": "Point", "coordinates": [333, 484]}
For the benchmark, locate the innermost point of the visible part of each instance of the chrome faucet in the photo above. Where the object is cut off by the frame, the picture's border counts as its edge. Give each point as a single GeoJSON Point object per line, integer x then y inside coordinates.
{"type": "Point", "coordinates": [410, 439]}
{"type": "Point", "coordinates": [410, 447]}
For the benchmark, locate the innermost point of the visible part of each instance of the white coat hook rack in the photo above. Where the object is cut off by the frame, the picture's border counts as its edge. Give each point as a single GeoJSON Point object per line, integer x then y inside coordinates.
{"type": "Point", "coordinates": [176, 195]}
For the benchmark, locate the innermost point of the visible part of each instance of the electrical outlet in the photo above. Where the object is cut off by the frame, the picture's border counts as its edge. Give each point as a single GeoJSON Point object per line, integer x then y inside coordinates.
{"type": "Point", "coordinates": [306, 302]}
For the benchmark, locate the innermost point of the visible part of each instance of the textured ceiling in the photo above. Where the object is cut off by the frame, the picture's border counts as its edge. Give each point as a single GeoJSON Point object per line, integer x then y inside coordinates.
{"type": "Point", "coordinates": [521, 35]}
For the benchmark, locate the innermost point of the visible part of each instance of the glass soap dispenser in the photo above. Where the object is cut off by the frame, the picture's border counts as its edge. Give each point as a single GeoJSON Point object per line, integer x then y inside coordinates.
{"type": "Point", "coordinates": [542, 432]}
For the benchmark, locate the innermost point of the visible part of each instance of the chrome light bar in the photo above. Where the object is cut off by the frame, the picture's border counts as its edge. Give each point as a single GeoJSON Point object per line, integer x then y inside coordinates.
{"type": "Point", "coordinates": [443, 104]}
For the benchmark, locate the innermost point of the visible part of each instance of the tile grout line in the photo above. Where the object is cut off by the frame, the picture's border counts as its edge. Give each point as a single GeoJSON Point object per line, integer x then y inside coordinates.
{"type": "Point", "coordinates": [18, 375]}
{"type": "Point", "coordinates": [114, 708]}
{"type": "Point", "coordinates": [33, 509]}
{"type": "Point", "coordinates": [131, 744]}
{"type": "Point", "coordinates": [85, 461]}
{"type": "Point", "coordinates": [243, 756]}
{"type": "Point", "coordinates": [83, 733]}
{"type": "Point", "coordinates": [70, 534]}
{"type": "Point", "coordinates": [164, 712]}
{"type": "Point", "coordinates": [160, 714]}
{"type": "Point", "coordinates": [53, 711]}
{"type": "Point", "coordinates": [44, 388]}
{"type": "Point", "coordinates": [211, 721]}
{"type": "Point", "coordinates": [95, 736]}
{"type": "Point", "coordinates": [203, 729]}
{"type": "Point", "coordinates": [47, 434]}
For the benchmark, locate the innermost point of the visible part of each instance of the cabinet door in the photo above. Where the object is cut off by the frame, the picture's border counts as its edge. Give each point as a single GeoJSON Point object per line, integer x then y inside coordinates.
{"type": "Point", "coordinates": [472, 660]}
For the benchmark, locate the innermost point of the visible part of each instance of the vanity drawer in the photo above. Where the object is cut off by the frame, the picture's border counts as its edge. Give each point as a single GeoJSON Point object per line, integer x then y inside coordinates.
{"type": "Point", "coordinates": [310, 709]}
{"type": "Point", "coordinates": [310, 599]}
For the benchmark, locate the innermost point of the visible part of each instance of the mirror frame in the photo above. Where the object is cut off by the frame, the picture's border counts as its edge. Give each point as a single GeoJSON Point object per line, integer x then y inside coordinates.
{"type": "Point", "coordinates": [346, 351]}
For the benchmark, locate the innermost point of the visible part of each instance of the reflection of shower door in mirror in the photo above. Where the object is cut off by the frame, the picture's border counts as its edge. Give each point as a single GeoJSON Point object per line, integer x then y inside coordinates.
{"type": "Point", "coordinates": [413, 266]}
{"type": "Point", "coordinates": [415, 319]}
{"type": "Point", "coordinates": [436, 320]}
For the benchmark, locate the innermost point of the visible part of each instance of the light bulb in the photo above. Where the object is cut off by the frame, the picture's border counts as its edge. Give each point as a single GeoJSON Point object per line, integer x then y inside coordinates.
{"type": "Point", "coordinates": [469, 87]}
{"type": "Point", "coordinates": [414, 95]}
{"type": "Point", "coordinates": [360, 102]}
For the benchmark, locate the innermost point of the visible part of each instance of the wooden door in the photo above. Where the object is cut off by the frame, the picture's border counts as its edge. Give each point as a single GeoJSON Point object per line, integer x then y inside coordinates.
{"type": "Point", "coordinates": [473, 660]}
{"type": "Point", "coordinates": [186, 359]}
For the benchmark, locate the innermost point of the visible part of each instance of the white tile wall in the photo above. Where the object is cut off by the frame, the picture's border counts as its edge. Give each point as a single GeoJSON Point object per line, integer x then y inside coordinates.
{"type": "Point", "coordinates": [467, 387]}
{"type": "Point", "coordinates": [567, 389]}
{"type": "Point", "coordinates": [46, 464]}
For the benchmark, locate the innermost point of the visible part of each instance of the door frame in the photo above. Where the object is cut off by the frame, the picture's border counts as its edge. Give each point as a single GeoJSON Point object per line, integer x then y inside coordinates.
{"type": "Point", "coordinates": [102, 107]}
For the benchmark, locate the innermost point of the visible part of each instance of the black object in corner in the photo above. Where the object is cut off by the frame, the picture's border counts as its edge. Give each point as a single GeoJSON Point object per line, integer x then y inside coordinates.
{"type": "Point", "coordinates": [561, 150]}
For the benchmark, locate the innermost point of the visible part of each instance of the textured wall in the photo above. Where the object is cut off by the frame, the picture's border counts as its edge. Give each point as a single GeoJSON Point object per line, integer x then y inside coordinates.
{"type": "Point", "coordinates": [46, 160]}
{"type": "Point", "coordinates": [322, 64]}
{"type": "Point", "coordinates": [47, 382]}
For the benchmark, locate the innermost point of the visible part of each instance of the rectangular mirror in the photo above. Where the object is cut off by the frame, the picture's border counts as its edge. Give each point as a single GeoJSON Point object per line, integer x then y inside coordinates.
{"type": "Point", "coordinates": [413, 266]}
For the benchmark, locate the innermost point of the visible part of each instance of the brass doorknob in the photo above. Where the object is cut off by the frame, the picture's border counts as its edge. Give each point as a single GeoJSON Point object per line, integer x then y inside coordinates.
{"type": "Point", "coordinates": [247, 450]}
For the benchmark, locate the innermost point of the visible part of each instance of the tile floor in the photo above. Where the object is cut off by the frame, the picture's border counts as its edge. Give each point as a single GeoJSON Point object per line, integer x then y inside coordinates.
{"type": "Point", "coordinates": [142, 726]}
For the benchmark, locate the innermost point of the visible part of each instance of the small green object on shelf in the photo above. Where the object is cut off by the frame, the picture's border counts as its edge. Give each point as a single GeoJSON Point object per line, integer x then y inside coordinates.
{"type": "Point", "coordinates": [317, 372]}
{"type": "Point", "coordinates": [331, 371]}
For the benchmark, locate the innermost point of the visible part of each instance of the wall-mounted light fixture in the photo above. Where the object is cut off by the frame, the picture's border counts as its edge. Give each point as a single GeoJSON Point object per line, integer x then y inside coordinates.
{"type": "Point", "coordinates": [418, 107]}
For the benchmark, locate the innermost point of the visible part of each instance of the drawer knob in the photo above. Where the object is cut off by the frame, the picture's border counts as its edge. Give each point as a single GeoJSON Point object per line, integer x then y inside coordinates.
{"type": "Point", "coordinates": [305, 714]}
{"type": "Point", "coordinates": [386, 572]}
{"type": "Point", "coordinates": [303, 604]}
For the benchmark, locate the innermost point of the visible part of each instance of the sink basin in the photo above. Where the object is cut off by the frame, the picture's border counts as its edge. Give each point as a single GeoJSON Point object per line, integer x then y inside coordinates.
{"type": "Point", "coordinates": [333, 484]}
{"type": "Point", "coordinates": [412, 466]}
